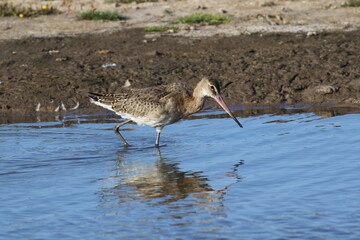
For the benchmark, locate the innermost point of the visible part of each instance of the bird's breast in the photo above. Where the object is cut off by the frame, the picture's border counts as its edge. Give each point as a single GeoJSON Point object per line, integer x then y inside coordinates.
{"type": "Point", "coordinates": [158, 118]}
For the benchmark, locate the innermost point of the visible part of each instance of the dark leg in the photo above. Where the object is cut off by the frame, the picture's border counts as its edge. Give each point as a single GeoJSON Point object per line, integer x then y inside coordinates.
{"type": "Point", "coordinates": [117, 131]}
{"type": "Point", "coordinates": [158, 131]}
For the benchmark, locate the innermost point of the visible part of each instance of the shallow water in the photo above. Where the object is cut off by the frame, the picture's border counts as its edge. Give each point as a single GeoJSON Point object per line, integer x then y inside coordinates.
{"type": "Point", "coordinates": [283, 176]}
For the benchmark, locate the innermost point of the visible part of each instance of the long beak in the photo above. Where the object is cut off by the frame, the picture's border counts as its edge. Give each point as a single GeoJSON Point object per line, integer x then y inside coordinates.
{"type": "Point", "coordinates": [221, 102]}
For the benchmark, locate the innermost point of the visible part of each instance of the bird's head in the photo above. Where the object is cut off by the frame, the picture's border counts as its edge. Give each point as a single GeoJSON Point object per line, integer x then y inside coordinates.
{"type": "Point", "coordinates": [211, 88]}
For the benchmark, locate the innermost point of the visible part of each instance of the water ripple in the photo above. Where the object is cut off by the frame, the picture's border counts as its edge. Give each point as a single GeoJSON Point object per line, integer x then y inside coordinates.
{"type": "Point", "coordinates": [284, 176]}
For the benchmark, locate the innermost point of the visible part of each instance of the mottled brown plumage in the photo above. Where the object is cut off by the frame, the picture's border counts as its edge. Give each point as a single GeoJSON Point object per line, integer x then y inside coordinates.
{"type": "Point", "coordinates": [161, 105]}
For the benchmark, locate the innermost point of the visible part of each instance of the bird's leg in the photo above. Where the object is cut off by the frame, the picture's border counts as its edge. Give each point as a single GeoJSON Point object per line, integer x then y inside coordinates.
{"type": "Point", "coordinates": [158, 131]}
{"type": "Point", "coordinates": [117, 131]}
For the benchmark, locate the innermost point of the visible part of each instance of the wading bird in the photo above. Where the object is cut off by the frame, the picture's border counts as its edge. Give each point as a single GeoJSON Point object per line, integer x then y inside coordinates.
{"type": "Point", "coordinates": [161, 105]}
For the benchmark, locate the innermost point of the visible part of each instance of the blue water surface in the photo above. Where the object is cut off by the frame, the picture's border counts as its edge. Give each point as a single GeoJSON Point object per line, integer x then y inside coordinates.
{"type": "Point", "coordinates": [289, 176]}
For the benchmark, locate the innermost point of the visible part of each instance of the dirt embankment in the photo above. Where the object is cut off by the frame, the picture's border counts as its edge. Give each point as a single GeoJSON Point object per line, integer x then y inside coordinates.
{"type": "Point", "coordinates": [48, 74]}
{"type": "Point", "coordinates": [264, 69]}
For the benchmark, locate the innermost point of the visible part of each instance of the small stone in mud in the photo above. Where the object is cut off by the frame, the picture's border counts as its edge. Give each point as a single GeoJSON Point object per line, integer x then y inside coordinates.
{"type": "Point", "coordinates": [103, 51]}
{"type": "Point", "coordinates": [37, 109]}
{"type": "Point", "coordinates": [352, 101]}
{"type": "Point", "coordinates": [317, 93]}
{"type": "Point", "coordinates": [325, 89]}
{"type": "Point", "coordinates": [53, 52]}
{"type": "Point", "coordinates": [62, 59]}
{"type": "Point", "coordinates": [154, 53]}
{"type": "Point", "coordinates": [308, 34]}
{"type": "Point", "coordinates": [106, 65]}
{"type": "Point", "coordinates": [354, 85]}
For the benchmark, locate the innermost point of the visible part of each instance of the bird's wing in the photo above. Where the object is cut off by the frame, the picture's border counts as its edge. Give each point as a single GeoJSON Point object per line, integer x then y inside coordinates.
{"type": "Point", "coordinates": [140, 101]}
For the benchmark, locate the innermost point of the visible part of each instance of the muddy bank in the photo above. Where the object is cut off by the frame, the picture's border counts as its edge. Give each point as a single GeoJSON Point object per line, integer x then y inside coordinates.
{"type": "Point", "coordinates": [55, 74]}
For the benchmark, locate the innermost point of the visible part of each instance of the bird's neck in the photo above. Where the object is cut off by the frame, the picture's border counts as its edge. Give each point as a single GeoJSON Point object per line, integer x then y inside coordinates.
{"type": "Point", "coordinates": [196, 102]}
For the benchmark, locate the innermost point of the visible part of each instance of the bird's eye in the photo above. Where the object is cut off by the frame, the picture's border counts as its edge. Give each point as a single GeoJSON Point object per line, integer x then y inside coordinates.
{"type": "Point", "coordinates": [212, 88]}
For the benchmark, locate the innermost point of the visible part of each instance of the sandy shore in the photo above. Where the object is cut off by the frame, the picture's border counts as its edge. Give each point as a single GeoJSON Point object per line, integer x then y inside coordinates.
{"type": "Point", "coordinates": [248, 17]}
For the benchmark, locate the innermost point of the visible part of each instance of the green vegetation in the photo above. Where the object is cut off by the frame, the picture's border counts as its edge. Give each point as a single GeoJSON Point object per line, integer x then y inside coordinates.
{"type": "Point", "coordinates": [100, 15]}
{"type": "Point", "coordinates": [129, 1]}
{"type": "Point", "coordinates": [351, 3]}
{"type": "Point", "coordinates": [161, 29]}
{"type": "Point", "coordinates": [137, 1]}
{"type": "Point", "coordinates": [268, 4]}
{"type": "Point", "coordinates": [203, 17]}
{"type": "Point", "coordinates": [8, 10]}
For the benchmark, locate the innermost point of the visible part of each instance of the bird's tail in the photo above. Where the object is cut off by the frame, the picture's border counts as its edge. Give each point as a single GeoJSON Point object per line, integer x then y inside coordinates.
{"type": "Point", "coordinates": [101, 100]}
{"type": "Point", "coordinates": [95, 97]}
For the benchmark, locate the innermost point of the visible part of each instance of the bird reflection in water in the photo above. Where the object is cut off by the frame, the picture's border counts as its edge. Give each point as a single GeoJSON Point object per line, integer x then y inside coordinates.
{"type": "Point", "coordinates": [162, 182]}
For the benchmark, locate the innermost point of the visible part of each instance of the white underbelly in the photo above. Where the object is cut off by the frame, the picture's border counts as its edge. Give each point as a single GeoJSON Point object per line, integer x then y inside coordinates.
{"type": "Point", "coordinates": [152, 120]}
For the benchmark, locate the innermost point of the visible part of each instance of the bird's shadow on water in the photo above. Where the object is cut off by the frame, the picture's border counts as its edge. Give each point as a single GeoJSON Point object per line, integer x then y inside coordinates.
{"type": "Point", "coordinates": [146, 175]}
